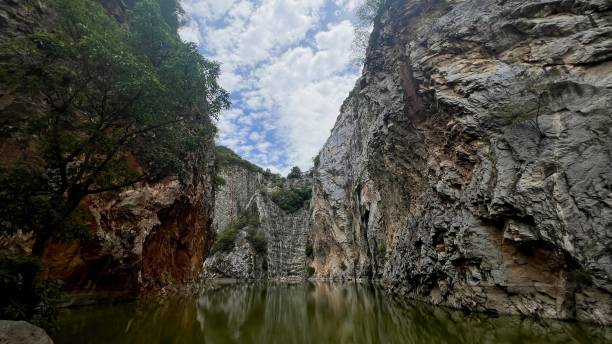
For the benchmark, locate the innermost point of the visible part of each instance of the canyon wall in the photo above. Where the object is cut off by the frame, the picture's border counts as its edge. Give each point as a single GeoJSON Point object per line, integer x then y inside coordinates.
{"type": "Point", "coordinates": [151, 236]}
{"type": "Point", "coordinates": [245, 205]}
{"type": "Point", "coordinates": [470, 165]}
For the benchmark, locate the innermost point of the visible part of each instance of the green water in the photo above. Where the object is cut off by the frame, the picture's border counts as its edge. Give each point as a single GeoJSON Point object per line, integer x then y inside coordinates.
{"type": "Point", "coordinates": [305, 313]}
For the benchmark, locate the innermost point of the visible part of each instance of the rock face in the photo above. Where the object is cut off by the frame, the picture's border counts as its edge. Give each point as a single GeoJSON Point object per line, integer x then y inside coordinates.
{"type": "Point", "coordinates": [241, 185]}
{"type": "Point", "coordinates": [249, 192]}
{"type": "Point", "coordinates": [18, 17]}
{"type": "Point", "coordinates": [150, 237]}
{"type": "Point", "coordinates": [21, 332]}
{"type": "Point", "coordinates": [470, 166]}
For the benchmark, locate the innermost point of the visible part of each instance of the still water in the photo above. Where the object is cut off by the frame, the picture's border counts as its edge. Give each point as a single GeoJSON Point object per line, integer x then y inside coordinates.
{"type": "Point", "coordinates": [304, 313]}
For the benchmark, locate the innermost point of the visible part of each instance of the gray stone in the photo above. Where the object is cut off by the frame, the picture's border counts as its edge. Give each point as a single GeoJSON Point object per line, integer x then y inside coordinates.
{"type": "Point", "coordinates": [285, 233]}
{"type": "Point", "coordinates": [470, 167]}
{"type": "Point", "coordinates": [21, 332]}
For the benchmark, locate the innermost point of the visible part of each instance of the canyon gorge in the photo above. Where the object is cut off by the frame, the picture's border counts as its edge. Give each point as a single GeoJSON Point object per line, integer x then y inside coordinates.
{"type": "Point", "coordinates": [470, 167]}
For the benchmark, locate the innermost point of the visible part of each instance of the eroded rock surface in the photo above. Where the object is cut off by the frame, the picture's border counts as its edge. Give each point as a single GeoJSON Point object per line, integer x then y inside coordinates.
{"type": "Point", "coordinates": [151, 237]}
{"type": "Point", "coordinates": [470, 166]}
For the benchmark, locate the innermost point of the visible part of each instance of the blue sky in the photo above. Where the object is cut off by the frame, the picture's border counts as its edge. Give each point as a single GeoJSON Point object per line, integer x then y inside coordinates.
{"type": "Point", "coordinates": [288, 66]}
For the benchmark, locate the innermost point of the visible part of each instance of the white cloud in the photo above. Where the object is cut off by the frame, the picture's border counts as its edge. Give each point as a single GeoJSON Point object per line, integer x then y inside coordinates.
{"type": "Point", "coordinates": [191, 32]}
{"type": "Point", "coordinates": [307, 88]}
{"type": "Point", "coordinates": [250, 33]}
{"type": "Point", "coordinates": [207, 9]}
{"type": "Point", "coordinates": [289, 73]}
{"type": "Point", "coordinates": [348, 5]}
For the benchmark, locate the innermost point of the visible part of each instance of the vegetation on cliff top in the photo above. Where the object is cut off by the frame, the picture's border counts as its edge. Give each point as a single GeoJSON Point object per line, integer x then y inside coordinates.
{"type": "Point", "coordinates": [225, 240]}
{"type": "Point", "coordinates": [291, 199]}
{"type": "Point", "coordinates": [113, 106]}
{"type": "Point", "coordinates": [295, 173]}
{"type": "Point", "coordinates": [226, 157]}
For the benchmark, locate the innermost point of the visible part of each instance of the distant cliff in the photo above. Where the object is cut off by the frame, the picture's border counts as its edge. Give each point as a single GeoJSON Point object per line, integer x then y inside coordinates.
{"type": "Point", "coordinates": [262, 223]}
{"type": "Point", "coordinates": [470, 166]}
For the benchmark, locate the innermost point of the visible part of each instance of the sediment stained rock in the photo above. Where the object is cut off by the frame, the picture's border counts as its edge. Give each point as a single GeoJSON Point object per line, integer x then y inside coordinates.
{"type": "Point", "coordinates": [150, 237]}
{"type": "Point", "coordinates": [21, 332]}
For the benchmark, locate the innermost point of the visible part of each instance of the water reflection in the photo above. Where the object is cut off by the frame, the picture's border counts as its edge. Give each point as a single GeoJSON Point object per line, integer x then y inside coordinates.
{"type": "Point", "coordinates": [305, 313]}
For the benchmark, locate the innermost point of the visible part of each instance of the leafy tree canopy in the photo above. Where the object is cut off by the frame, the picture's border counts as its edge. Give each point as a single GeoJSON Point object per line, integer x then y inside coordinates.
{"type": "Point", "coordinates": [97, 106]}
{"type": "Point", "coordinates": [291, 199]}
{"type": "Point", "coordinates": [295, 173]}
{"type": "Point", "coordinates": [226, 156]}
{"type": "Point", "coordinates": [108, 94]}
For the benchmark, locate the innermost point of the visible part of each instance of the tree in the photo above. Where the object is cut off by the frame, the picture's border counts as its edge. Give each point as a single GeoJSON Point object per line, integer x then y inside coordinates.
{"type": "Point", "coordinates": [108, 94]}
{"type": "Point", "coordinates": [295, 173]}
{"type": "Point", "coordinates": [113, 107]}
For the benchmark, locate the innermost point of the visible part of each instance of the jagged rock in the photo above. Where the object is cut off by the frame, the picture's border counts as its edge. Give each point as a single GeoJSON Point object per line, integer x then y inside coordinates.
{"type": "Point", "coordinates": [21, 332]}
{"type": "Point", "coordinates": [470, 166]}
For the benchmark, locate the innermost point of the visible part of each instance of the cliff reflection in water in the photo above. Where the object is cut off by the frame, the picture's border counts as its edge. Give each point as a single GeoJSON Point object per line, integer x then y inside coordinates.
{"type": "Point", "coordinates": [305, 313]}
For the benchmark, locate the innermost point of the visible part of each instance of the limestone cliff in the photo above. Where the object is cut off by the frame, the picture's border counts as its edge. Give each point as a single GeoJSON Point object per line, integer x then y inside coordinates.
{"type": "Point", "coordinates": [267, 241]}
{"type": "Point", "coordinates": [470, 166]}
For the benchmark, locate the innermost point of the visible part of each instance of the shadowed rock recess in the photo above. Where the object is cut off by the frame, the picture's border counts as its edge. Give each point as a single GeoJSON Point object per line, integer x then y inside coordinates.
{"type": "Point", "coordinates": [471, 165]}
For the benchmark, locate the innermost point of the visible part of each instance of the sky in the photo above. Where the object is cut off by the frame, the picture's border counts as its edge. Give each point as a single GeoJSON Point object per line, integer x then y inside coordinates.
{"type": "Point", "coordinates": [288, 65]}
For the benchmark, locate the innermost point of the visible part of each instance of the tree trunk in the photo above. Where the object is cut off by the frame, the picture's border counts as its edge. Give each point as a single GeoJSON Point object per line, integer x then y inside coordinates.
{"type": "Point", "coordinates": [38, 249]}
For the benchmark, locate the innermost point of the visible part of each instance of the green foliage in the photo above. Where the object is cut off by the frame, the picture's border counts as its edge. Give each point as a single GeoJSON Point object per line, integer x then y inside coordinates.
{"type": "Point", "coordinates": [291, 200]}
{"type": "Point", "coordinates": [225, 240]}
{"type": "Point", "coordinates": [107, 95]}
{"type": "Point", "coordinates": [308, 250]}
{"type": "Point", "coordinates": [295, 173]}
{"type": "Point", "coordinates": [316, 160]}
{"type": "Point", "coordinates": [102, 107]}
{"type": "Point", "coordinates": [382, 249]}
{"type": "Point", "coordinates": [226, 157]}
{"type": "Point", "coordinates": [248, 218]}
{"type": "Point", "coordinates": [172, 12]}
{"type": "Point", "coordinates": [310, 271]}
{"type": "Point", "coordinates": [218, 182]}
{"type": "Point", "coordinates": [27, 204]}
{"type": "Point", "coordinates": [257, 239]}
{"type": "Point", "coordinates": [21, 301]}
